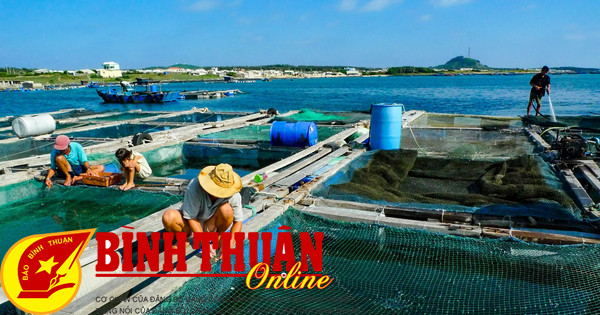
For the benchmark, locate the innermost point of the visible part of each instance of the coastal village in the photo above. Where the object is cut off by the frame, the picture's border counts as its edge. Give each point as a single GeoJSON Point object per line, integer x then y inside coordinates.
{"type": "Point", "coordinates": [111, 72]}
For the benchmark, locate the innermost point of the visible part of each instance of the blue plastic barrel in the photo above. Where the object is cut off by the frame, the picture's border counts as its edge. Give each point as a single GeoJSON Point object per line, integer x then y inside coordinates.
{"type": "Point", "coordinates": [154, 88]}
{"type": "Point", "coordinates": [386, 126]}
{"type": "Point", "coordinates": [299, 134]}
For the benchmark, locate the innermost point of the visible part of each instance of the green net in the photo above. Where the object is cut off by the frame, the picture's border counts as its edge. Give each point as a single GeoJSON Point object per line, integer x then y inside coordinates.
{"type": "Point", "coordinates": [122, 116]}
{"type": "Point", "coordinates": [119, 131]}
{"type": "Point", "coordinates": [378, 269]}
{"type": "Point", "coordinates": [517, 187]}
{"type": "Point", "coordinates": [28, 209]}
{"type": "Point", "coordinates": [29, 147]}
{"type": "Point", "coordinates": [336, 118]}
{"type": "Point", "coordinates": [199, 117]}
{"type": "Point", "coordinates": [484, 122]}
{"type": "Point", "coordinates": [263, 133]}
{"type": "Point", "coordinates": [471, 144]}
{"type": "Point", "coordinates": [583, 122]}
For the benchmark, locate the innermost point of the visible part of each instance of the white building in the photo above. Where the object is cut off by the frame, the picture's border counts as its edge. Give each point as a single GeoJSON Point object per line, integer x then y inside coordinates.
{"type": "Point", "coordinates": [352, 71]}
{"type": "Point", "coordinates": [111, 70]}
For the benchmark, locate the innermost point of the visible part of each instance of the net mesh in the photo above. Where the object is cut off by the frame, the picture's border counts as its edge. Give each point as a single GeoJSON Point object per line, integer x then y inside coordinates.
{"type": "Point", "coordinates": [515, 187]}
{"type": "Point", "coordinates": [486, 123]}
{"type": "Point", "coordinates": [29, 209]}
{"type": "Point", "coordinates": [471, 144]}
{"type": "Point", "coordinates": [584, 122]}
{"type": "Point", "coordinates": [337, 118]}
{"type": "Point", "coordinates": [378, 269]}
{"type": "Point", "coordinates": [263, 133]}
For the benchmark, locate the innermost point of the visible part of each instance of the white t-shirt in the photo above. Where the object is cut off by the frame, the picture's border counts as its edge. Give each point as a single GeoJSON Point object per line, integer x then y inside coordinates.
{"type": "Point", "coordinates": [197, 205]}
{"type": "Point", "coordinates": [145, 170]}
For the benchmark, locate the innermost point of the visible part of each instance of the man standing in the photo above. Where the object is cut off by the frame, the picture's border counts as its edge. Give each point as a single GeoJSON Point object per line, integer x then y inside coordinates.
{"type": "Point", "coordinates": [70, 161]}
{"type": "Point", "coordinates": [212, 203]}
{"type": "Point", "coordinates": [539, 84]}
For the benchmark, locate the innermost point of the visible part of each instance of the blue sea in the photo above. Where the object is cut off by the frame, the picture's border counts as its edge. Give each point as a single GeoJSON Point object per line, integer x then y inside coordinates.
{"type": "Point", "coordinates": [474, 94]}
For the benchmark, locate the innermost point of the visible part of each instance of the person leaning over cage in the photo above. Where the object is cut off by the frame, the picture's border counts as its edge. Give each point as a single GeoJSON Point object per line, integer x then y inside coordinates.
{"type": "Point", "coordinates": [133, 164]}
{"type": "Point", "coordinates": [539, 84]}
{"type": "Point", "coordinates": [68, 159]}
{"type": "Point", "coordinates": [212, 203]}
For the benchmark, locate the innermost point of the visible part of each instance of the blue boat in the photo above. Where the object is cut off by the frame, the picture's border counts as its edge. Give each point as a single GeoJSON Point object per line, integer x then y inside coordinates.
{"type": "Point", "coordinates": [142, 91]}
{"type": "Point", "coordinates": [94, 85]}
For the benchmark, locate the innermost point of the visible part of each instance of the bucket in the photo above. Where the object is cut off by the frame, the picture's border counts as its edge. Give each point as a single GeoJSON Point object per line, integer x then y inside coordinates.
{"type": "Point", "coordinates": [299, 134]}
{"type": "Point", "coordinates": [386, 126]}
{"type": "Point", "coordinates": [33, 125]}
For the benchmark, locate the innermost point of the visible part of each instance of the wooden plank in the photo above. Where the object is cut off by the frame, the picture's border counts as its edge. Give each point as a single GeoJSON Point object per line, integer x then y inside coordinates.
{"type": "Point", "coordinates": [312, 168]}
{"type": "Point", "coordinates": [589, 176]}
{"type": "Point", "coordinates": [409, 116]}
{"type": "Point", "coordinates": [271, 179]}
{"type": "Point", "coordinates": [289, 160]}
{"type": "Point", "coordinates": [349, 215]}
{"type": "Point", "coordinates": [581, 196]}
{"type": "Point", "coordinates": [538, 237]}
{"type": "Point", "coordinates": [537, 139]}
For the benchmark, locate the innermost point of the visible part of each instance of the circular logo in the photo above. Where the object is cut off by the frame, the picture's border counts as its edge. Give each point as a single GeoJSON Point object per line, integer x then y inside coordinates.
{"type": "Point", "coordinates": [41, 274]}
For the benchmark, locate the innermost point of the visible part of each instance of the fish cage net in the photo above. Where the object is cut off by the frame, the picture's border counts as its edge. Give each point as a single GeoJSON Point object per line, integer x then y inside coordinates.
{"type": "Point", "coordinates": [582, 122]}
{"type": "Point", "coordinates": [378, 269]}
{"type": "Point", "coordinates": [463, 121]}
{"type": "Point", "coordinates": [263, 133]}
{"type": "Point", "coordinates": [28, 208]}
{"type": "Point", "coordinates": [199, 117]}
{"type": "Point", "coordinates": [520, 186]}
{"type": "Point", "coordinates": [333, 118]}
{"type": "Point", "coordinates": [471, 144]}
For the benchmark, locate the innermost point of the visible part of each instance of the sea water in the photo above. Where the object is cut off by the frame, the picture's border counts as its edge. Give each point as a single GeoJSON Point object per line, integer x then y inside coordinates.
{"type": "Point", "coordinates": [464, 94]}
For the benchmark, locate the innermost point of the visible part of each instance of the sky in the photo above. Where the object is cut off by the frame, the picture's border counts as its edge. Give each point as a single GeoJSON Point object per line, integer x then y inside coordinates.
{"type": "Point", "coordinates": [364, 33]}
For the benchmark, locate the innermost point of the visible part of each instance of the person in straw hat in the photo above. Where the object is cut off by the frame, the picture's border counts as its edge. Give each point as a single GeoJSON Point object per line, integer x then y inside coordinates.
{"type": "Point", "coordinates": [212, 203]}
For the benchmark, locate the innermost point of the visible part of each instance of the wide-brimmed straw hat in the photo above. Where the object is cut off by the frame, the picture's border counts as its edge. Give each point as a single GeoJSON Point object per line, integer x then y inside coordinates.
{"type": "Point", "coordinates": [220, 181]}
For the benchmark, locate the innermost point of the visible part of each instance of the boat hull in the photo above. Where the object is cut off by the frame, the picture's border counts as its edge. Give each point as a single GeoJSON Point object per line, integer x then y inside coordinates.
{"type": "Point", "coordinates": [112, 96]}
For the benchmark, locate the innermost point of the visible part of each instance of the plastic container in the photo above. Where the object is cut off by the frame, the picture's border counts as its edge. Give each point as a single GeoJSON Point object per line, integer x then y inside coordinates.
{"type": "Point", "coordinates": [111, 168]}
{"type": "Point", "coordinates": [104, 179]}
{"type": "Point", "coordinates": [386, 126]}
{"type": "Point", "coordinates": [299, 134]}
{"type": "Point", "coordinates": [260, 177]}
{"type": "Point", "coordinates": [33, 125]}
{"type": "Point", "coordinates": [154, 88]}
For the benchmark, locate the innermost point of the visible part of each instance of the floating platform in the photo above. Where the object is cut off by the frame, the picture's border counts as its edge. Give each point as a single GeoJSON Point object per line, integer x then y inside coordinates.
{"type": "Point", "coordinates": [434, 225]}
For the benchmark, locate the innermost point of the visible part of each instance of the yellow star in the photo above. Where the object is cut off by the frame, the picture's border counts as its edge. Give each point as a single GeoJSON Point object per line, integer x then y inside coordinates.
{"type": "Point", "coordinates": [47, 265]}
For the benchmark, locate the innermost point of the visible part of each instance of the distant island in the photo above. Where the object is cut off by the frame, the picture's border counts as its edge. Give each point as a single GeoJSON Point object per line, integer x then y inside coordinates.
{"type": "Point", "coordinates": [24, 78]}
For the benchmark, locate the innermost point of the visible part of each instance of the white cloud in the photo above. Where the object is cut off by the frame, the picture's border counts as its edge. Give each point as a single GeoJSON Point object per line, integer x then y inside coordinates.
{"type": "Point", "coordinates": [348, 5]}
{"type": "Point", "coordinates": [207, 5]}
{"type": "Point", "coordinates": [378, 5]}
{"type": "Point", "coordinates": [448, 3]}
{"type": "Point", "coordinates": [576, 36]}
{"type": "Point", "coordinates": [425, 18]}
{"type": "Point", "coordinates": [204, 5]}
{"type": "Point", "coordinates": [366, 6]}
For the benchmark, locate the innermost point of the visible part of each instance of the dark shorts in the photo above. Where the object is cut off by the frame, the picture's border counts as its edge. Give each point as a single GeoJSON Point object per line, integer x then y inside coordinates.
{"type": "Point", "coordinates": [75, 171]}
{"type": "Point", "coordinates": [535, 97]}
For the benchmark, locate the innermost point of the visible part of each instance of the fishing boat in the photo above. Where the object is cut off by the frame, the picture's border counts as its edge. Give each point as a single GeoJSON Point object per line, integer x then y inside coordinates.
{"type": "Point", "coordinates": [141, 91]}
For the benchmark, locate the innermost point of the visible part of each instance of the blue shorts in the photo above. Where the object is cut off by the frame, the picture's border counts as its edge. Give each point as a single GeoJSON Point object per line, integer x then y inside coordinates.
{"type": "Point", "coordinates": [76, 170]}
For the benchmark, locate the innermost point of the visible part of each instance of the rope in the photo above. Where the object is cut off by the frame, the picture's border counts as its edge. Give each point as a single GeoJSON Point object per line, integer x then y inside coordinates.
{"type": "Point", "coordinates": [379, 215]}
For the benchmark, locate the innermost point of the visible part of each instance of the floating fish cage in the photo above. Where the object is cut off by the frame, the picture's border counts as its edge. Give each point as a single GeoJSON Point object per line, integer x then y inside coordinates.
{"type": "Point", "coordinates": [472, 214]}
{"type": "Point", "coordinates": [118, 131]}
{"type": "Point", "coordinates": [199, 117]}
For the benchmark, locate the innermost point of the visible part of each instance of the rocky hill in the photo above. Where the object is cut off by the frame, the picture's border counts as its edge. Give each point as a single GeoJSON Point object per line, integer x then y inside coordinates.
{"type": "Point", "coordinates": [459, 62]}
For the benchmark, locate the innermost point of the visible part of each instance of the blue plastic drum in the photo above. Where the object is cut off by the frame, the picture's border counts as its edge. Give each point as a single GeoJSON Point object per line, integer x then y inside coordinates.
{"type": "Point", "coordinates": [299, 134]}
{"type": "Point", "coordinates": [386, 126]}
